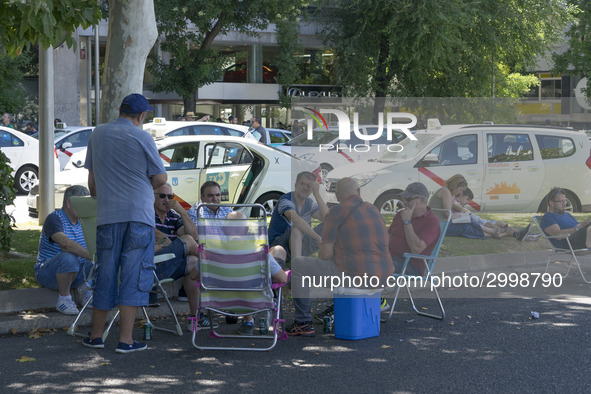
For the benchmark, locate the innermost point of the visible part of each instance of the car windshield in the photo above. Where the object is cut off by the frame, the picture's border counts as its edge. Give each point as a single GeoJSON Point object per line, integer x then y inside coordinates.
{"type": "Point", "coordinates": [319, 137]}
{"type": "Point", "coordinates": [410, 148]}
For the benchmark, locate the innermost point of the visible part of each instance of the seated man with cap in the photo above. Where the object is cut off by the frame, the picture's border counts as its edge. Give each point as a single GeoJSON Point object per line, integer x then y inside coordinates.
{"type": "Point", "coordinates": [415, 229]}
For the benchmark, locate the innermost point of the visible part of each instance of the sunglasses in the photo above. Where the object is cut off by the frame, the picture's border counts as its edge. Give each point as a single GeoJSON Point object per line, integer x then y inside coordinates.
{"type": "Point", "coordinates": [162, 195]}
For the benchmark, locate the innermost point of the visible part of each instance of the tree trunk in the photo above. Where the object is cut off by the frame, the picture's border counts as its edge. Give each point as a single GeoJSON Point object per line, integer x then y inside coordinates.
{"type": "Point", "coordinates": [132, 34]}
{"type": "Point", "coordinates": [190, 104]}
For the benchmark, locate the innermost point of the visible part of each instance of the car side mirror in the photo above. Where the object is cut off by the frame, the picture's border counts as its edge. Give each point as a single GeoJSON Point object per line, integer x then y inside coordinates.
{"type": "Point", "coordinates": [66, 145]}
{"type": "Point", "coordinates": [431, 158]}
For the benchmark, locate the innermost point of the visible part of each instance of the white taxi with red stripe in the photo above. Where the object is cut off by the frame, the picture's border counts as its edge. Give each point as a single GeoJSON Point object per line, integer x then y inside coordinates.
{"type": "Point", "coordinates": [326, 149]}
{"type": "Point", "coordinates": [74, 140]}
{"type": "Point", "coordinates": [247, 171]}
{"type": "Point", "coordinates": [510, 168]}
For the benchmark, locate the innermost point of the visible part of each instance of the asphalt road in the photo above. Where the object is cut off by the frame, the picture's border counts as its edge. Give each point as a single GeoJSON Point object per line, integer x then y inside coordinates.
{"type": "Point", "coordinates": [483, 345]}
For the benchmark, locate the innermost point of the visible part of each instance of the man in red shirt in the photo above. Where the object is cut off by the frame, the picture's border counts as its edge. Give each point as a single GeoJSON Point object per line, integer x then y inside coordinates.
{"type": "Point", "coordinates": [415, 229]}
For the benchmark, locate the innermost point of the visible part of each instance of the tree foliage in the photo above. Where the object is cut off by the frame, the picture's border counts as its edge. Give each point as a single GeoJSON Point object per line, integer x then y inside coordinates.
{"type": "Point", "coordinates": [11, 89]}
{"type": "Point", "coordinates": [188, 28]}
{"type": "Point", "coordinates": [7, 195]}
{"type": "Point", "coordinates": [419, 48]}
{"type": "Point", "coordinates": [46, 22]}
{"type": "Point", "coordinates": [577, 58]}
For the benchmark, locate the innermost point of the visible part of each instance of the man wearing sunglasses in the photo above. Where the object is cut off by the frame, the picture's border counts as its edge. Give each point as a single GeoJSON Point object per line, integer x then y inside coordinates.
{"type": "Point", "coordinates": [415, 229]}
{"type": "Point", "coordinates": [558, 222]}
{"type": "Point", "coordinates": [175, 233]}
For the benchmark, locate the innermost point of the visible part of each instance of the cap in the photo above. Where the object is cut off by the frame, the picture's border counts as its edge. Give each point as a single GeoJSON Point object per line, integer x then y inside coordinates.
{"type": "Point", "coordinates": [135, 104]}
{"type": "Point", "coordinates": [415, 189]}
{"type": "Point", "coordinates": [190, 114]}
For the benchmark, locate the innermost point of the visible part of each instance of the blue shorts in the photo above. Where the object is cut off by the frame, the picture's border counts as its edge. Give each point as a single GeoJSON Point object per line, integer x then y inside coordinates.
{"type": "Point", "coordinates": [62, 263]}
{"type": "Point", "coordinates": [125, 273]}
{"type": "Point", "coordinates": [176, 267]}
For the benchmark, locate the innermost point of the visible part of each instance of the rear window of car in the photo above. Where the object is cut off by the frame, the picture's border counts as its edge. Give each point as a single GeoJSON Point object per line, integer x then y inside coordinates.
{"type": "Point", "coordinates": [553, 147]}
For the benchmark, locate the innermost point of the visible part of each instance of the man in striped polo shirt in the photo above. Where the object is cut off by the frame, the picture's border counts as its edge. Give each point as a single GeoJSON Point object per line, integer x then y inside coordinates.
{"type": "Point", "coordinates": [63, 262]}
{"type": "Point", "coordinates": [175, 233]}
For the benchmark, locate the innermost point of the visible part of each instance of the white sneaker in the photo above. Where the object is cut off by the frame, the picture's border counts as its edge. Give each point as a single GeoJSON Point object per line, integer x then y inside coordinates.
{"type": "Point", "coordinates": [67, 307]}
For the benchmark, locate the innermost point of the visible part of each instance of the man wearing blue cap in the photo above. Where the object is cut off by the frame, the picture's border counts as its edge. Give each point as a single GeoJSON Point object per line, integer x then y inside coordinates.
{"type": "Point", "coordinates": [123, 171]}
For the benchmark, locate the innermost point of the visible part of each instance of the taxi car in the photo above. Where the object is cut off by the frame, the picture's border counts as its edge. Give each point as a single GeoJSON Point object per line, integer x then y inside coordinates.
{"type": "Point", "coordinates": [330, 152]}
{"type": "Point", "coordinates": [510, 168]}
{"type": "Point", "coordinates": [247, 171]}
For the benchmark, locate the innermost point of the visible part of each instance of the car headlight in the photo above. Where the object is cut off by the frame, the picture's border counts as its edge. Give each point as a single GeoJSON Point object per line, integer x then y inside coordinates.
{"type": "Point", "coordinates": [364, 179]}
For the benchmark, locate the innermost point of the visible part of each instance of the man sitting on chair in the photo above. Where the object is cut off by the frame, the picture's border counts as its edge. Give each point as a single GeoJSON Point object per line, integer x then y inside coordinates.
{"type": "Point", "coordinates": [276, 262]}
{"type": "Point", "coordinates": [175, 233]}
{"type": "Point", "coordinates": [558, 222]}
{"type": "Point", "coordinates": [63, 262]}
{"type": "Point", "coordinates": [354, 244]}
{"type": "Point", "coordinates": [210, 194]}
{"type": "Point", "coordinates": [415, 229]}
{"type": "Point", "coordinates": [291, 220]}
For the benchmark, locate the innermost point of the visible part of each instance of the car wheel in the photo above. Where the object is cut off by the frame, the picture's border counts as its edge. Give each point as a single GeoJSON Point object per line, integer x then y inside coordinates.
{"type": "Point", "coordinates": [267, 200]}
{"type": "Point", "coordinates": [25, 179]}
{"type": "Point", "coordinates": [389, 203]}
{"type": "Point", "coordinates": [324, 170]}
{"type": "Point", "coordinates": [573, 204]}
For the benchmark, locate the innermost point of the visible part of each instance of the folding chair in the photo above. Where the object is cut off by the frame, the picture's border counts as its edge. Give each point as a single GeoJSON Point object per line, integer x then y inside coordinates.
{"type": "Point", "coordinates": [235, 278]}
{"type": "Point", "coordinates": [444, 216]}
{"type": "Point", "coordinates": [87, 212]}
{"type": "Point", "coordinates": [555, 251]}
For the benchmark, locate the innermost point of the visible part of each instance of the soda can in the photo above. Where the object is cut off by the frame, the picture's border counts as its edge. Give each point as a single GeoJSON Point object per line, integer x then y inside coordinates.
{"type": "Point", "coordinates": [263, 327]}
{"type": "Point", "coordinates": [147, 331]}
{"type": "Point", "coordinates": [327, 325]}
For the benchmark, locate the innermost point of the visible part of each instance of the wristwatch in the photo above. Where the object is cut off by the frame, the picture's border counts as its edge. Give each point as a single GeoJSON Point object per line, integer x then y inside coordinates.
{"type": "Point", "coordinates": [405, 222]}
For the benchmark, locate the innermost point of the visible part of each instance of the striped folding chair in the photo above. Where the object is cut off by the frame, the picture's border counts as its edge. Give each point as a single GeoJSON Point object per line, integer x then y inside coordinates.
{"type": "Point", "coordinates": [235, 277]}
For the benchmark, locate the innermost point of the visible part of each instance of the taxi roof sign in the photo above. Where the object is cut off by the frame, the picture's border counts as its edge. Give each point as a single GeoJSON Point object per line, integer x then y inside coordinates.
{"type": "Point", "coordinates": [159, 121]}
{"type": "Point", "coordinates": [433, 124]}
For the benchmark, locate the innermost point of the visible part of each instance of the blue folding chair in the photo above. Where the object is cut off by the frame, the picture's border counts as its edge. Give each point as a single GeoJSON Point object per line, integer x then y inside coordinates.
{"type": "Point", "coordinates": [444, 216]}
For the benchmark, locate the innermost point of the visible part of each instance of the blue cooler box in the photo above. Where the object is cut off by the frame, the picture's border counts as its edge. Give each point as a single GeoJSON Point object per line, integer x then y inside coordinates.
{"type": "Point", "coordinates": [356, 313]}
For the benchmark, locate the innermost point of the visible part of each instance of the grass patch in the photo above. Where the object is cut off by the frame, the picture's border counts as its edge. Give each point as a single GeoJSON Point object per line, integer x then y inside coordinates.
{"type": "Point", "coordinates": [16, 270]}
{"type": "Point", "coordinates": [17, 273]}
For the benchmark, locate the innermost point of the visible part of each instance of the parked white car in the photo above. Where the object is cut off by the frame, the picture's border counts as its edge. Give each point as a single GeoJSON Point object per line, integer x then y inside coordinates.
{"type": "Point", "coordinates": [23, 152]}
{"type": "Point", "coordinates": [510, 168]}
{"type": "Point", "coordinates": [278, 137]}
{"type": "Point", "coordinates": [330, 152]}
{"type": "Point", "coordinates": [247, 171]}
{"type": "Point", "coordinates": [161, 128]}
